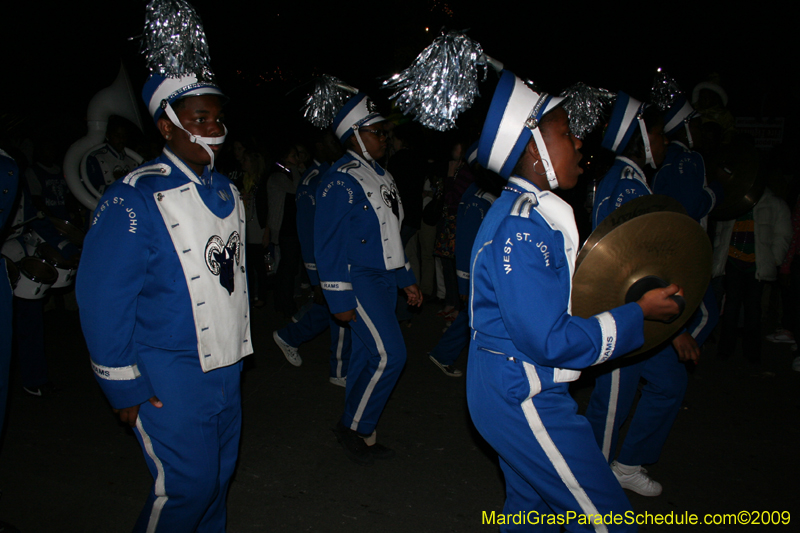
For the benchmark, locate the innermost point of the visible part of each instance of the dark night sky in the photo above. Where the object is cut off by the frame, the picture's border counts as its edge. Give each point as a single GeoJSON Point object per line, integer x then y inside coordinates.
{"type": "Point", "coordinates": [261, 51]}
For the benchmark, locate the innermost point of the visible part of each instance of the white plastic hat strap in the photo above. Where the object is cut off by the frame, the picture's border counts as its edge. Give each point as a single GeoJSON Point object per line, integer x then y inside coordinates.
{"type": "Point", "coordinates": [202, 141]}
{"type": "Point", "coordinates": [366, 154]}
{"type": "Point", "coordinates": [688, 133]}
{"type": "Point", "coordinates": [544, 156]}
{"type": "Point", "coordinates": [647, 151]}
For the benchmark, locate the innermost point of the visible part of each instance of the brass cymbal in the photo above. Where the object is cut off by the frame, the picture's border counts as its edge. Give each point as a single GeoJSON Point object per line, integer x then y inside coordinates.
{"type": "Point", "coordinates": [652, 203]}
{"type": "Point", "coordinates": [665, 245]}
{"type": "Point", "coordinates": [742, 185]}
{"type": "Point", "coordinates": [73, 234]}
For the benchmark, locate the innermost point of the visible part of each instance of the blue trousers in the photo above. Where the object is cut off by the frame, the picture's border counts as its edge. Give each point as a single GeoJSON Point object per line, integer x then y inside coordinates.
{"type": "Point", "coordinates": [379, 351]}
{"type": "Point", "coordinates": [613, 396]}
{"type": "Point", "coordinates": [190, 444]}
{"type": "Point", "coordinates": [547, 451]}
{"type": "Point", "coordinates": [453, 341]}
{"type": "Point", "coordinates": [316, 320]}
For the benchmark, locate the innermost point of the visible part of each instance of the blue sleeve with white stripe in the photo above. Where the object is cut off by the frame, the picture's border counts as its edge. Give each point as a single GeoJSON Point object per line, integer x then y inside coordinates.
{"type": "Point", "coordinates": [113, 269]}
{"type": "Point", "coordinates": [331, 228]}
{"type": "Point", "coordinates": [530, 273]}
{"type": "Point", "coordinates": [405, 276]}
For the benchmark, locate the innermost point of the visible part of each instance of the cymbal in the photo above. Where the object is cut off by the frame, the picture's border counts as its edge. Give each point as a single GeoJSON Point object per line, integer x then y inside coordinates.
{"type": "Point", "coordinates": [663, 245]}
{"type": "Point", "coordinates": [652, 203]}
{"type": "Point", "coordinates": [743, 186]}
{"type": "Point", "coordinates": [73, 234]}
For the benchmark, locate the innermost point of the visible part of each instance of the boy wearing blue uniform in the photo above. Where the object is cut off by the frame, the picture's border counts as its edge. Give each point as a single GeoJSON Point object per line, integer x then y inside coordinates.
{"type": "Point", "coordinates": [162, 293]}
{"type": "Point", "coordinates": [526, 346]}
{"type": "Point", "coordinates": [318, 318]}
{"type": "Point", "coordinates": [361, 263]}
{"type": "Point", "coordinates": [636, 134]}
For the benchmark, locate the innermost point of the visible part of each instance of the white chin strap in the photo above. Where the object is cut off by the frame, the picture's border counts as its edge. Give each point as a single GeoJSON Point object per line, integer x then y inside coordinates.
{"type": "Point", "coordinates": [364, 152]}
{"type": "Point", "coordinates": [648, 153]}
{"type": "Point", "coordinates": [202, 141]}
{"type": "Point", "coordinates": [544, 156]}
{"type": "Point", "coordinates": [688, 134]}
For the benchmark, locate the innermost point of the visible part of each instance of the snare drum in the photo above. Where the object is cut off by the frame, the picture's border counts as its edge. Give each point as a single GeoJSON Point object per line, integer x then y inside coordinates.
{"type": "Point", "coordinates": [13, 250]}
{"type": "Point", "coordinates": [66, 272]}
{"type": "Point", "coordinates": [36, 276]}
{"type": "Point", "coordinates": [13, 272]}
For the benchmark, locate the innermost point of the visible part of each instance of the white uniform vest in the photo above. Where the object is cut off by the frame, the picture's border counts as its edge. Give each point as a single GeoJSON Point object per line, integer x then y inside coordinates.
{"type": "Point", "coordinates": [382, 194]}
{"type": "Point", "coordinates": [204, 244]}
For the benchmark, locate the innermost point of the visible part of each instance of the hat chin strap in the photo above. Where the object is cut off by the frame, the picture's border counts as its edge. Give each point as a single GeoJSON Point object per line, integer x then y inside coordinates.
{"type": "Point", "coordinates": [648, 153]}
{"type": "Point", "coordinates": [544, 156]}
{"type": "Point", "coordinates": [364, 152]}
{"type": "Point", "coordinates": [202, 141]}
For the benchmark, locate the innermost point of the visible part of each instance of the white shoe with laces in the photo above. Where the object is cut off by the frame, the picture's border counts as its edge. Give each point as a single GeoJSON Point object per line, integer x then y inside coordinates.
{"type": "Point", "coordinates": [291, 353]}
{"type": "Point", "coordinates": [635, 478]}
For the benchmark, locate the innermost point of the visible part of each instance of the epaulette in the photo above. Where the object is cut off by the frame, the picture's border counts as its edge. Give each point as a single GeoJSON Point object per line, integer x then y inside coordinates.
{"type": "Point", "coordinates": [485, 195]}
{"type": "Point", "coordinates": [628, 174]}
{"type": "Point", "coordinates": [158, 169]}
{"type": "Point", "coordinates": [350, 165]}
{"type": "Point", "coordinates": [523, 205]}
{"type": "Point", "coordinates": [311, 175]}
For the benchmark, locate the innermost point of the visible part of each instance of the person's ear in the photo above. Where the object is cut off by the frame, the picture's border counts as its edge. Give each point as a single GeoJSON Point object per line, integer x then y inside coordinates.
{"type": "Point", "coordinates": [165, 128]}
{"type": "Point", "coordinates": [533, 150]}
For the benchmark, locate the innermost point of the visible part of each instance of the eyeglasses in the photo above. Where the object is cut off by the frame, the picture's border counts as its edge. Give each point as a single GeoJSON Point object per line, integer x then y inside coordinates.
{"type": "Point", "coordinates": [379, 133]}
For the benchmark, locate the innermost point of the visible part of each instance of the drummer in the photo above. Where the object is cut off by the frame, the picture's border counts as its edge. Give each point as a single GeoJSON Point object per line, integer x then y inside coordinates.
{"type": "Point", "coordinates": [29, 308]}
{"type": "Point", "coordinates": [521, 361]}
{"type": "Point", "coordinates": [636, 134]}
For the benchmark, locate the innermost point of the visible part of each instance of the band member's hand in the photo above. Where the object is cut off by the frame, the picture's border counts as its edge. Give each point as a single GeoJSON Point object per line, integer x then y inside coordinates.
{"type": "Point", "coordinates": [414, 295]}
{"type": "Point", "coordinates": [128, 415]}
{"type": "Point", "coordinates": [686, 347]}
{"type": "Point", "coordinates": [346, 316]}
{"type": "Point", "coordinates": [657, 304]}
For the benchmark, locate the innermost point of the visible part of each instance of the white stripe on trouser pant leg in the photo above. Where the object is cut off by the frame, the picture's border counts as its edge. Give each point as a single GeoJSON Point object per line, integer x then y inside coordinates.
{"type": "Point", "coordinates": [381, 366]}
{"type": "Point", "coordinates": [611, 414]}
{"type": "Point", "coordinates": [553, 453]}
{"type": "Point", "coordinates": [339, 349]}
{"type": "Point", "coordinates": [160, 489]}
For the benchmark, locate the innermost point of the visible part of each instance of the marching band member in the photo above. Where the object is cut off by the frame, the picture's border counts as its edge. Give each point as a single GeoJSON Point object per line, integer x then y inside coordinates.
{"type": "Point", "coordinates": [636, 134]}
{"type": "Point", "coordinates": [526, 346]}
{"type": "Point", "coordinates": [162, 293]}
{"type": "Point", "coordinates": [318, 318]}
{"type": "Point", "coordinates": [361, 263]}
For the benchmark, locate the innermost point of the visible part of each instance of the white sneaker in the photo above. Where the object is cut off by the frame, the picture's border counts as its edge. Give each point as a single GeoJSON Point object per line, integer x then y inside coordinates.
{"type": "Point", "coordinates": [340, 382]}
{"type": "Point", "coordinates": [781, 336]}
{"type": "Point", "coordinates": [291, 353]}
{"type": "Point", "coordinates": [635, 478]}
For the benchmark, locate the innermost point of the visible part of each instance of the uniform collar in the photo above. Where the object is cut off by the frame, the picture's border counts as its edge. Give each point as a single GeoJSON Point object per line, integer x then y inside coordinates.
{"type": "Point", "coordinates": [205, 179]}
{"type": "Point", "coordinates": [521, 185]}
{"type": "Point", "coordinates": [373, 165]}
